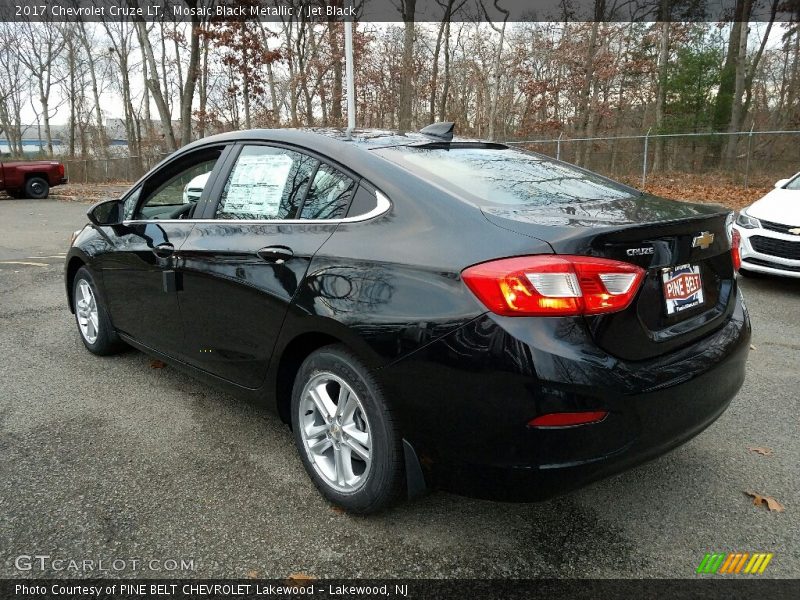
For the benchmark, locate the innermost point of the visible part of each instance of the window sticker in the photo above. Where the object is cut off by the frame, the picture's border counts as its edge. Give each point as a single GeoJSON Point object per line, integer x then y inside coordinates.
{"type": "Point", "coordinates": [257, 184]}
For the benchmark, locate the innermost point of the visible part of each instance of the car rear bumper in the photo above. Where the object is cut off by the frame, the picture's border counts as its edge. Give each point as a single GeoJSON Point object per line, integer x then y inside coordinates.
{"type": "Point", "coordinates": [62, 181]}
{"type": "Point", "coordinates": [466, 399]}
{"type": "Point", "coordinates": [763, 262]}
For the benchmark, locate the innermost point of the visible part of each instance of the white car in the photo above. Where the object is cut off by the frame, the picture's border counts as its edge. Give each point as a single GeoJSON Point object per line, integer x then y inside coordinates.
{"type": "Point", "coordinates": [194, 189]}
{"type": "Point", "coordinates": [768, 231]}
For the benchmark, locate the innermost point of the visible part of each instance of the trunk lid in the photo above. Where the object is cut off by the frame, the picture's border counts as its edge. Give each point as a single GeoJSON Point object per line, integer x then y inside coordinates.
{"type": "Point", "coordinates": [684, 248]}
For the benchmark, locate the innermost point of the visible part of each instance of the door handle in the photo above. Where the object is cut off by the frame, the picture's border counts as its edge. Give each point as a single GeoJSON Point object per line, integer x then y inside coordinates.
{"type": "Point", "coordinates": [276, 255]}
{"type": "Point", "coordinates": [164, 250]}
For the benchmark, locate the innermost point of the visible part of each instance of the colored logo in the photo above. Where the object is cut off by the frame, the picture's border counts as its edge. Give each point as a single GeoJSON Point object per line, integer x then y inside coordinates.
{"type": "Point", "coordinates": [734, 563]}
{"type": "Point", "coordinates": [704, 240]}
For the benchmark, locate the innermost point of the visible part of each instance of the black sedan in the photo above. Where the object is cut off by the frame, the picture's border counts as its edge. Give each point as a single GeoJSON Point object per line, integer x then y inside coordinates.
{"type": "Point", "coordinates": [423, 311]}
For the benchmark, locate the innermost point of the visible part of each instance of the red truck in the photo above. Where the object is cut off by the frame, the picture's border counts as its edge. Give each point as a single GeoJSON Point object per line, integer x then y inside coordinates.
{"type": "Point", "coordinates": [31, 179]}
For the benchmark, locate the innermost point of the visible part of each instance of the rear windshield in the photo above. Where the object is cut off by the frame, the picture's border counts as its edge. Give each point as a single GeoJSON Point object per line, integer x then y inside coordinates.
{"type": "Point", "coordinates": [505, 177]}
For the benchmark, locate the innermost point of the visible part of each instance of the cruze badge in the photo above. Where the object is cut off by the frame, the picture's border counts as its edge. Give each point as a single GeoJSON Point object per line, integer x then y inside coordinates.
{"type": "Point", "coordinates": [639, 251]}
{"type": "Point", "coordinates": [704, 240]}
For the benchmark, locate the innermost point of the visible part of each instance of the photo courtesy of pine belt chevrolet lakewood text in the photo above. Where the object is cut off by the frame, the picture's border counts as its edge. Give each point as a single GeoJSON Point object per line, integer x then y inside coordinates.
{"type": "Point", "coordinates": [424, 311]}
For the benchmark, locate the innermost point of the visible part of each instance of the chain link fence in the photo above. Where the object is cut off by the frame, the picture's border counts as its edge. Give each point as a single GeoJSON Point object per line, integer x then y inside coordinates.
{"type": "Point", "coordinates": [107, 170]}
{"type": "Point", "coordinates": [756, 157]}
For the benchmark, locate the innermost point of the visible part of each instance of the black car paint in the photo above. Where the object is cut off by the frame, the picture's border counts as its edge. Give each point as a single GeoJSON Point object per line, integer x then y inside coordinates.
{"type": "Point", "coordinates": [464, 382]}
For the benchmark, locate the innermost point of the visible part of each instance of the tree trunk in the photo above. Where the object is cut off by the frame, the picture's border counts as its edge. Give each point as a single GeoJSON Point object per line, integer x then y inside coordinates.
{"type": "Point", "coordinates": [246, 100]}
{"type": "Point", "coordinates": [723, 105]}
{"type": "Point", "coordinates": [190, 84]}
{"type": "Point", "coordinates": [496, 78]}
{"type": "Point", "coordinates": [406, 99]}
{"type": "Point", "coordinates": [446, 82]}
{"type": "Point", "coordinates": [71, 66]}
{"type": "Point", "coordinates": [203, 124]}
{"type": "Point", "coordinates": [738, 88]}
{"type": "Point", "coordinates": [148, 118]}
{"type": "Point", "coordinates": [337, 59]}
{"type": "Point", "coordinates": [102, 142]}
{"type": "Point", "coordinates": [435, 66]}
{"type": "Point", "coordinates": [276, 111]}
{"type": "Point", "coordinates": [586, 91]}
{"type": "Point", "coordinates": [155, 88]}
{"type": "Point", "coordinates": [661, 98]}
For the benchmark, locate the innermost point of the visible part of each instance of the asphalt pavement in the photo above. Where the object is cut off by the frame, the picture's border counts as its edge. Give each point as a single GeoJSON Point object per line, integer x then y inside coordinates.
{"type": "Point", "coordinates": [106, 459]}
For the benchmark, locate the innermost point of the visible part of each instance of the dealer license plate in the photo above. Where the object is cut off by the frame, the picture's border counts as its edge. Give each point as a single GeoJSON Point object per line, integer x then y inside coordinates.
{"type": "Point", "coordinates": [683, 288]}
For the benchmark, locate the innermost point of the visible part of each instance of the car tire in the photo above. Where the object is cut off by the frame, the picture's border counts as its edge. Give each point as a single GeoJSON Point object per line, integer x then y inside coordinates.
{"type": "Point", "coordinates": [37, 188]}
{"type": "Point", "coordinates": [94, 325]}
{"type": "Point", "coordinates": [362, 428]}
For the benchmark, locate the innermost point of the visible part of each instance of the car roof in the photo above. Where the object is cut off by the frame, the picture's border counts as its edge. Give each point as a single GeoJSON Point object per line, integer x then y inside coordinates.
{"type": "Point", "coordinates": [327, 138]}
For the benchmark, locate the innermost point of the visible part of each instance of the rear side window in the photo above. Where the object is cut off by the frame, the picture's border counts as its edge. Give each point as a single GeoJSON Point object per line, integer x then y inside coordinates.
{"type": "Point", "coordinates": [266, 183]}
{"type": "Point", "coordinates": [504, 177]}
{"type": "Point", "coordinates": [329, 195]}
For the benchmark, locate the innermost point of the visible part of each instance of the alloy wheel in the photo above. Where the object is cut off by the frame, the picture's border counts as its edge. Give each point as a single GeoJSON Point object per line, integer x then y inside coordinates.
{"type": "Point", "coordinates": [86, 311]}
{"type": "Point", "coordinates": [335, 432]}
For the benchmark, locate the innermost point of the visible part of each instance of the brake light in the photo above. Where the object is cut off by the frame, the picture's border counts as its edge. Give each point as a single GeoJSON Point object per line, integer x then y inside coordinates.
{"type": "Point", "coordinates": [554, 285]}
{"type": "Point", "coordinates": [568, 419]}
{"type": "Point", "coordinates": [736, 254]}
{"type": "Point", "coordinates": [60, 169]}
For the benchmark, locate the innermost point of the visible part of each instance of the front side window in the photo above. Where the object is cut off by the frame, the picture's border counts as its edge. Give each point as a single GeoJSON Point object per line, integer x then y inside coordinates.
{"type": "Point", "coordinates": [173, 191]}
{"type": "Point", "coordinates": [266, 183]}
{"type": "Point", "coordinates": [329, 196]}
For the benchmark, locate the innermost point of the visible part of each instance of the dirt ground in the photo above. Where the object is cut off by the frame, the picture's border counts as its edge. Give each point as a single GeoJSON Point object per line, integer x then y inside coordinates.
{"type": "Point", "coordinates": [705, 188]}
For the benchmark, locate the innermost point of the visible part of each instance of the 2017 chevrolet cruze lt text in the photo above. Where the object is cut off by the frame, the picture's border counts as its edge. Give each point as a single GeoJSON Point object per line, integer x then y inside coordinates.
{"type": "Point", "coordinates": [423, 311]}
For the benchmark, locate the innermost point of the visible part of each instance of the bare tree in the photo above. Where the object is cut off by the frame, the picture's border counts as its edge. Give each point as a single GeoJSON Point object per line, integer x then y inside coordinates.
{"type": "Point", "coordinates": [154, 86]}
{"type": "Point", "coordinates": [496, 72]}
{"type": "Point", "coordinates": [41, 44]}
{"type": "Point", "coordinates": [88, 46]}
{"type": "Point", "coordinates": [14, 83]}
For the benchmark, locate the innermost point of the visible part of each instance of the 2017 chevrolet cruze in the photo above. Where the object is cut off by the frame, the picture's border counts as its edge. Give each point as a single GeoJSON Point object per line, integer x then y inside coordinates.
{"type": "Point", "coordinates": [767, 233]}
{"type": "Point", "coordinates": [423, 311]}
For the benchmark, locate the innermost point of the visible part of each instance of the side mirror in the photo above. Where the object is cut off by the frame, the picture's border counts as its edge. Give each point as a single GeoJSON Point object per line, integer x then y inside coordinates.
{"type": "Point", "coordinates": [781, 182]}
{"type": "Point", "coordinates": [106, 213]}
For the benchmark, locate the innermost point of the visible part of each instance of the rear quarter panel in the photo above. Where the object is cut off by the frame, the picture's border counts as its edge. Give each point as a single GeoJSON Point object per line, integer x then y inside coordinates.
{"type": "Point", "coordinates": [392, 285]}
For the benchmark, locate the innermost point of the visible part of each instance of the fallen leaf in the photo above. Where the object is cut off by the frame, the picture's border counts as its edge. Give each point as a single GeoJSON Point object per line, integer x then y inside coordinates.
{"type": "Point", "coordinates": [752, 347]}
{"type": "Point", "coordinates": [337, 509]}
{"type": "Point", "coordinates": [772, 504]}
{"type": "Point", "coordinates": [301, 578]}
{"type": "Point", "coordinates": [760, 450]}
{"type": "Point", "coordinates": [157, 364]}
{"type": "Point", "coordinates": [252, 574]}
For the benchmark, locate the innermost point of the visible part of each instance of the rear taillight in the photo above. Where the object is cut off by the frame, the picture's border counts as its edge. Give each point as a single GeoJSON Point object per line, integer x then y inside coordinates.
{"type": "Point", "coordinates": [554, 285]}
{"type": "Point", "coordinates": [736, 242]}
{"type": "Point", "coordinates": [60, 170]}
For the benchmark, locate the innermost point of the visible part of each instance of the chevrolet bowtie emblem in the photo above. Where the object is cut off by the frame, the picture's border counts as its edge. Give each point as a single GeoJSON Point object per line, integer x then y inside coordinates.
{"type": "Point", "coordinates": [704, 240]}
{"type": "Point", "coordinates": [795, 231]}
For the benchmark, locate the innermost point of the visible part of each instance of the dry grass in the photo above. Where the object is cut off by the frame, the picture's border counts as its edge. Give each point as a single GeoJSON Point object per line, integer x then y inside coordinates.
{"type": "Point", "coordinates": [705, 188]}
{"type": "Point", "coordinates": [88, 192]}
